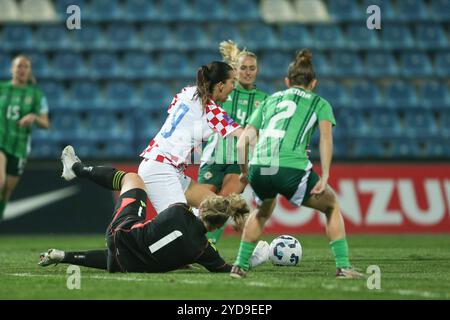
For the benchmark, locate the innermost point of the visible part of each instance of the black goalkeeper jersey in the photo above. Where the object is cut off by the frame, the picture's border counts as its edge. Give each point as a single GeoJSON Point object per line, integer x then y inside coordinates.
{"type": "Point", "coordinates": [173, 239]}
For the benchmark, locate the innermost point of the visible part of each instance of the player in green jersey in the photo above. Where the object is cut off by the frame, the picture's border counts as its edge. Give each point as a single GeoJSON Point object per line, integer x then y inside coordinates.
{"type": "Point", "coordinates": [280, 131]}
{"type": "Point", "coordinates": [219, 169]}
{"type": "Point", "coordinates": [22, 104]}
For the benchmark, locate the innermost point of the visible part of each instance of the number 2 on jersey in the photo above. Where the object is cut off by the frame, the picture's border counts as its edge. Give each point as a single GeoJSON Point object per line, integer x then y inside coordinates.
{"type": "Point", "coordinates": [289, 112]}
{"type": "Point", "coordinates": [176, 118]}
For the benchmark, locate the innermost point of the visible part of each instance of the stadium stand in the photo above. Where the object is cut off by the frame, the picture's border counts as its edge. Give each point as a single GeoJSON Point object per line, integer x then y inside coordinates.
{"type": "Point", "coordinates": [390, 88]}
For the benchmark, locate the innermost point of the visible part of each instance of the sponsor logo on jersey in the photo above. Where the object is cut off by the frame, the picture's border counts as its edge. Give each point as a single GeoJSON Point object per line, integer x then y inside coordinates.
{"type": "Point", "coordinates": [28, 100]}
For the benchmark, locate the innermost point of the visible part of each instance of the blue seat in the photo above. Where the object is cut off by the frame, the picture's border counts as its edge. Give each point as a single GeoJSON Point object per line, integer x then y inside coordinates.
{"type": "Point", "coordinates": [201, 58]}
{"type": "Point", "coordinates": [294, 36]}
{"type": "Point", "coordinates": [365, 95]}
{"type": "Point", "coordinates": [40, 64]}
{"type": "Point", "coordinates": [104, 125]}
{"type": "Point", "coordinates": [157, 37]}
{"type": "Point", "coordinates": [86, 149]}
{"type": "Point", "coordinates": [345, 10]}
{"type": "Point", "coordinates": [218, 34]}
{"type": "Point", "coordinates": [434, 95]}
{"type": "Point", "coordinates": [104, 11]}
{"type": "Point", "coordinates": [120, 95]}
{"type": "Point", "coordinates": [415, 64]}
{"type": "Point", "coordinates": [333, 92]}
{"type": "Point", "coordinates": [104, 66]}
{"type": "Point", "coordinates": [321, 65]}
{"type": "Point", "coordinates": [138, 65]}
{"type": "Point", "coordinates": [420, 124]}
{"type": "Point", "coordinates": [442, 64]}
{"type": "Point", "coordinates": [328, 37]}
{"type": "Point", "coordinates": [156, 96]}
{"type": "Point", "coordinates": [431, 36]}
{"type": "Point", "coordinates": [52, 37]}
{"type": "Point", "coordinates": [385, 124]}
{"type": "Point", "coordinates": [437, 148]}
{"type": "Point", "coordinates": [68, 65]}
{"type": "Point", "coordinates": [396, 36]}
{"type": "Point", "coordinates": [89, 37]}
{"type": "Point", "coordinates": [381, 64]}
{"type": "Point", "coordinates": [5, 65]}
{"type": "Point", "coordinates": [176, 64]}
{"type": "Point", "coordinates": [54, 92]}
{"type": "Point", "coordinates": [141, 11]}
{"type": "Point", "coordinates": [358, 36]}
{"type": "Point", "coordinates": [403, 148]}
{"type": "Point", "coordinates": [175, 11]}
{"type": "Point", "coordinates": [274, 64]}
{"type": "Point", "coordinates": [189, 36]}
{"type": "Point", "coordinates": [351, 123]}
{"type": "Point", "coordinates": [386, 9]}
{"type": "Point", "coordinates": [17, 37]}
{"type": "Point", "coordinates": [412, 10]}
{"type": "Point", "coordinates": [267, 86]}
{"type": "Point", "coordinates": [259, 36]}
{"type": "Point", "coordinates": [400, 94]}
{"type": "Point", "coordinates": [84, 95]}
{"type": "Point", "coordinates": [346, 64]}
{"type": "Point", "coordinates": [148, 124]}
{"type": "Point", "coordinates": [243, 10]}
{"type": "Point", "coordinates": [215, 11]}
{"type": "Point", "coordinates": [440, 10]}
{"type": "Point", "coordinates": [65, 122]}
{"type": "Point", "coordinates": [366, 148]}
{"type": "Point", "coordinates": [444, 124]}
{"type": "Point", "coordinates": [44, 149]}
{"type": "Point", "coordinates": [121, 37]}
{"type": "Point", "coordinates": [121, 148]}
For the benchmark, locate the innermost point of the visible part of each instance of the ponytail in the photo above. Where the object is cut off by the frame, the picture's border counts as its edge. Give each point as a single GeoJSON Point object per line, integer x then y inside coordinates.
{"type": "Point", "coordinates": [301, 70]}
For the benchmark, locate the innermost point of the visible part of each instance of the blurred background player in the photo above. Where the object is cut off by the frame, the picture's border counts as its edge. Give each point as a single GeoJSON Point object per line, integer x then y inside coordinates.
{"type": "Point", "coordinates": [219, 170]}
{"type": "Point", "coordinates": [22, 104]}
{"type": "Point", "coordinates": [280, 162]}
{"type": "Point", "coordinates": [194, 116]}
{"type": "Point", "coordinates": [175, 238]}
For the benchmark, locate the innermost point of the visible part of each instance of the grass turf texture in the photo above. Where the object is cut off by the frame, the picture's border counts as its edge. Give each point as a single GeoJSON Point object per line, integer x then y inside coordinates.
{"type": "Point", "coordinates": [412, 267]}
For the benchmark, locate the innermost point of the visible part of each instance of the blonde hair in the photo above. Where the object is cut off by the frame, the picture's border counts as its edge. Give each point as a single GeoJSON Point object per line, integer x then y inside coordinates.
{"type": "Point", "coordinates": [301, 70]}
{"type": "Point", "coordinates": [215, 210]}
{"type": "Point", "coordinates": [31, 79]}
{"type": "Point", "coordinates": [231, 53]}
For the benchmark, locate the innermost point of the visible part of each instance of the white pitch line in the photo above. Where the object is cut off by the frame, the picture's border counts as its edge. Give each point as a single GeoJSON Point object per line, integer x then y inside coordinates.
{"type": "Point", "coordinates": [330, 287]}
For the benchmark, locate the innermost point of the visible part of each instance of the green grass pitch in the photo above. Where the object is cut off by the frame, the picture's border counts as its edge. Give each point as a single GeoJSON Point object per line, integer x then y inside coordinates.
{"type": "Point", "coordinates": [412, 267]}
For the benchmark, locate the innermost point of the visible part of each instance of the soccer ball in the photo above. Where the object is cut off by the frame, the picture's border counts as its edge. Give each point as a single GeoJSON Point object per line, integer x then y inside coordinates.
{"type": "Point", "coordinates": [285, 251]}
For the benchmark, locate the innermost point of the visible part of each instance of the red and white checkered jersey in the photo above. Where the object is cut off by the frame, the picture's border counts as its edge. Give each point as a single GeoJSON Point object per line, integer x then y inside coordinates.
{"type": "Point", "coordinates": [187, 126]}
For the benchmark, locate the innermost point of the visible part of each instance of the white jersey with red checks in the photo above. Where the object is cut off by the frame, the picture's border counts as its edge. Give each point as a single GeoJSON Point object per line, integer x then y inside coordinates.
{"type": "Point", "coordinates": [187, 126]}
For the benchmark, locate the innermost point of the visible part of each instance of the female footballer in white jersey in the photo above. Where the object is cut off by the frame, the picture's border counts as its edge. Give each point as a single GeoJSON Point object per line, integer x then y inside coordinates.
{"type": "Point", "coordinates": [193, 117]}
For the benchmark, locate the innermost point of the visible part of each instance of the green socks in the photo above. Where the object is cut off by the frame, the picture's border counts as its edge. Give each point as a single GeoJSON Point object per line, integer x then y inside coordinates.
{"type": "Point", "coordinates": [340, 252]}
{"type": "Point", "coordinates": [2, 208]}
{"type": "Point", "coordinates": [244, 254]}
{"type": "Point", "coordinates": [215, 235]}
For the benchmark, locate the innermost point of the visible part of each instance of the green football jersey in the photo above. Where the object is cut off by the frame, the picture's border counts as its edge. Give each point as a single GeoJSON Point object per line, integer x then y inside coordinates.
{"type": "Point", "coordinates": [240, 105]}
{"type": "Point", "coordinates": [15, 103]}
{"type": "Point", "coordinates": [286, 121]}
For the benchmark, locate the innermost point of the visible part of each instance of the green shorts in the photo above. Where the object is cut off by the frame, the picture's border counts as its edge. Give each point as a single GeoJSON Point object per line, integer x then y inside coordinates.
{"type": "Point", "coordinates": [294, 184]}
{"type": "Point", "coordinates": [215, 173]}
{"type": "Point", "coordinates": [14, 165]}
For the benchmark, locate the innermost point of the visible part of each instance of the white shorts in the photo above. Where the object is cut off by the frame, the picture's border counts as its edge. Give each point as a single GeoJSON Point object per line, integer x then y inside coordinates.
{"type": "Point", "coordinates": [165, 184]}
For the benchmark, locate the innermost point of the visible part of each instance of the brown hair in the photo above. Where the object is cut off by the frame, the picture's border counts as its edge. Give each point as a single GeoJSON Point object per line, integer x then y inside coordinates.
{"type": "Point", "coordinates": [31, 78]}
{"type": "Point", "coordinates": [231, 53]}
{"type": "Point", "coordinates": [301, 71]}
{"type": "Point", "coordinates": [208, 76]}
{"type": "Point", "coordinates": [215, 210]}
